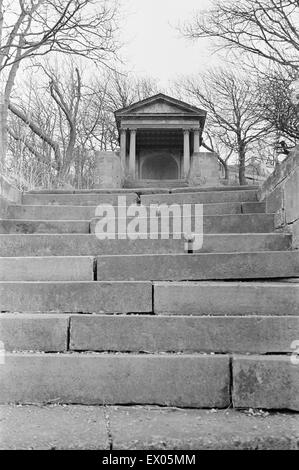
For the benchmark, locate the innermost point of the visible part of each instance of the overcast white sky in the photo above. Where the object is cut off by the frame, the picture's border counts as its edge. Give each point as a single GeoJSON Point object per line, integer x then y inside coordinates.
{"type": "Point", "coordinates": [153, 46]}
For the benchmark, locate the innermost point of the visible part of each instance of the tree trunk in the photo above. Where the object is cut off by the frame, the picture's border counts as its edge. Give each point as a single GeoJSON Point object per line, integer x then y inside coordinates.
{"type": "Point", "coordinates": [3, 129]}
{"type": "Point", "coordinates": [226, 171]}
{"type": "Point", "coordinates": [242, 178]}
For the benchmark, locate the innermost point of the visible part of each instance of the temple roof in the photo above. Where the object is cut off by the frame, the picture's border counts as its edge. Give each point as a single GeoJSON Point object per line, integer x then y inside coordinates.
{"type": "Point", "coordinates": [158, 106]}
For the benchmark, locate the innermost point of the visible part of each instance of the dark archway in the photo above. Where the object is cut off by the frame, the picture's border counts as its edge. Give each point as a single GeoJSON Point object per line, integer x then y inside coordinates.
{"type": "Point", "coordinates": [160, 167]}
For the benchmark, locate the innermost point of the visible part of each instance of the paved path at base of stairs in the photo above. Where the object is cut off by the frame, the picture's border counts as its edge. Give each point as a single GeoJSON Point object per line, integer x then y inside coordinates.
{"type": "Point", "coordinates": [144, 427]}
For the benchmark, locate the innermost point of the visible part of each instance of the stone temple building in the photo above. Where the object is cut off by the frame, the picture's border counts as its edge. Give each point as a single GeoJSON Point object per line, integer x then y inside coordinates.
{"type": "Point", "coordinates": [159, 145]}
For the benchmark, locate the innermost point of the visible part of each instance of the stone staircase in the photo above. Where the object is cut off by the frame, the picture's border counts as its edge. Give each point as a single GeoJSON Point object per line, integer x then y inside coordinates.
{"type": "Point", "coordinates": [89, 321]}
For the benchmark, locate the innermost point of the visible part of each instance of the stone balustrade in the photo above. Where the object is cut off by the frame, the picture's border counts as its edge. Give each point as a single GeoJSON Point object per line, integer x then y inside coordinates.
{"type": "Point", "coordinates": [281, 193]}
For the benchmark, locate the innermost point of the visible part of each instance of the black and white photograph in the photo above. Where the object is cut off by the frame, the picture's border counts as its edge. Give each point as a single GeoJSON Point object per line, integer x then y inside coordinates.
{"type": "Point", "coordinates": [149, 229]}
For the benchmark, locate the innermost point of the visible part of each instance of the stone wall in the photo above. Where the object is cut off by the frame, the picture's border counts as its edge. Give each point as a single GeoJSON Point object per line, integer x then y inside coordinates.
{"type": "Point", "coordinates": [109, 171]}
{"type": "Point", "coordinates": [281, 192]}
{"type": "Point", "coordinates": [8, 194]}
{"type": "Point", "coordinates": [204, 170]}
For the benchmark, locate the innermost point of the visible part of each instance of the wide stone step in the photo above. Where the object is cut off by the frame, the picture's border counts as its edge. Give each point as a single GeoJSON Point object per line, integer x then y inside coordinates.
{"type": "Point", "coordinates": [76, 297]}
{"type": "Point", "coordinates": [182, 380]}
{"type": "Point", "coordinates": [156, 183]}
{"type": "Point", "coordinates": [231, 223]}
{"type": "Point", "coordinates": [147, 333]}
{"type": "Point", "coordinates": [77, 199]}
{"type": "Point", "coordinates": [200, 197]}
{"type": "Point", "coordinates": [60, 212]}
{"type": "Point", "coordinates": [150, 334]}
{"type": "Point", "coordinates": [44, 226]}
{"type": "Point", "coordinates": [199, 266]}
{"type": "Point", "coordinates": [58, 268]}
{"type": "Point", "coordinates": [175, 380]}
{"type": "Point", "coordinates": [89, 245]}
{"type": "Point", "coordinates": [77, 427]}
{"type": "Point", "coordinates": [226, 298]}
{"type": "Point", "coordinates": [146, 190]}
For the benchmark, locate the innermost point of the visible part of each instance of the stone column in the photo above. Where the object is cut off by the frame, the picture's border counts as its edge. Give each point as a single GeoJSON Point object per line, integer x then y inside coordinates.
{"type": "Point", "coordinates": [132, 159]}
{"type": "Point", "coordinates": [123, 146]}
{"type": "Point", "coordinates": [186, 152]}
{"type": "Point", "coordinates": [196, 141]}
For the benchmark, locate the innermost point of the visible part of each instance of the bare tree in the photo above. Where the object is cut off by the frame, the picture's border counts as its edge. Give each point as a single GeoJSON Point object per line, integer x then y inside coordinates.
{"type": "Point", "coordinates": [267, 29]}
{"type": "Point", "coordinates": [233, 112]}
{"type": "Point", "coordinates": [125, 89]}
{"type": "Point", "coordinates": [52, 116]}
{"type": "Point", "coordinates": [32, 28]}
{"type": "Point", "coordinates": [213, 141]}
{"type": "Point", "coordinates": [275, 92]}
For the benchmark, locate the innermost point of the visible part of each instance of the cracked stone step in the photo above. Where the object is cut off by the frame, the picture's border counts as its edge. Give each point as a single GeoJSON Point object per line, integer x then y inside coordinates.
{"type": "Point", "coordinates": [76, 297]}
{"type": "Point", "coordinates": [199, 266]}
{"type": "Point", "coordinates": [49, 332]}
{"type": "Point", "coordinates": [196, 380]}
{"type": "Point", "coordinates": [61, 212]}
{"type": "Point", "coordinates": [43, 268]}
{"type": "Point", "coordinates": [89, 245]}
{"type": "Point", "coordinates": [64, 427]}
{"type": "Point", "coordinates": [226, 298]}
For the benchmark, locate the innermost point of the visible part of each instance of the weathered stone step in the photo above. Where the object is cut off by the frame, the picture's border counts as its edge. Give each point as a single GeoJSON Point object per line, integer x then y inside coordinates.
{"type": "Point", "coordinates": [77, 427]}
{"type": "Point", "coordinates": [147, 333]}
{"type": "Point", "coordinates": [44, 226]}
{"type": "Point", "coordinates": [89, 245]}
{"type": "Point", "coordinates": [196, 189]}
{"type": "Point", "coordinates": [76, 297]}
{"type": "Point", "coordinates": [34, 332]}
{"type": "Point", "coordinates": [200, 197]}
{"type": "Point", "coordinates": [175, 380]}
{"type": "Point", "coordinates": [60, 212]}
{"type": "Point", "coordinates": [265, 382]}
{"type": "Point", "coordinates": [153, 333]}
{"type": "Point", "coordinates": [145, 190]}
{"type": "Point", "coordinates": [156, 183]}
{"type": "Point", "coordinates": [120, 191]}
{"type": "Point", "coordinates": [77, 199]}
{"type": "Point", "coordinates": [226, 298]}
{"type": "Point", "coordinates": [43, 268]}
{"type": "Point", "coordinates": [230, 223]}
{"type": "Point", "coordinates": [200, 266]}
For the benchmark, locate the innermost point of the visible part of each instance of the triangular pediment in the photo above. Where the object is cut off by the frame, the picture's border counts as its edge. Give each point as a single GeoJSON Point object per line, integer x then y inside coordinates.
{"type": "Point", "coordinates": [160, 104]}
{"type": "Point", "coordinates": [159, 107]}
